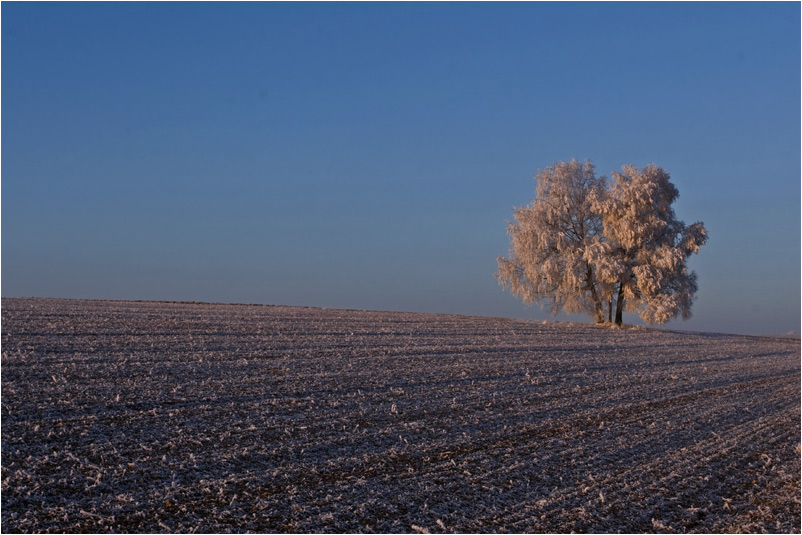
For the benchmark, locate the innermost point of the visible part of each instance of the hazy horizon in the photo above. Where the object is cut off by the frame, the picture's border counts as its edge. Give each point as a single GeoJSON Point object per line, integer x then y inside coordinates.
{"type": "Point", "coordinates": [368, 156]}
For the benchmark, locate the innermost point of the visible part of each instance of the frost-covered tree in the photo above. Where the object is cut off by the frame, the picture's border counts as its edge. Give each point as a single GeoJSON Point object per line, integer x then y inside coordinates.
{"type": "Point", "coordinates": [645, 247]}
{"type": "Point", "coordinates": [548, 258]}
{"type": "Point", "coordinates": [586, 244]}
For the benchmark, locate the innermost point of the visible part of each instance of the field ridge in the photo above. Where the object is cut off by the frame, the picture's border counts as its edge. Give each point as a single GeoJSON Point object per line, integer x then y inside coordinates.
{"type": "Point", "coordinates": [168, 416]}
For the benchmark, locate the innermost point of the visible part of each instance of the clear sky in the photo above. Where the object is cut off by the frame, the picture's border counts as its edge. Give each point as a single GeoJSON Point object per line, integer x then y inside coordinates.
{"type": "Point", "coordinates": [368, 155]}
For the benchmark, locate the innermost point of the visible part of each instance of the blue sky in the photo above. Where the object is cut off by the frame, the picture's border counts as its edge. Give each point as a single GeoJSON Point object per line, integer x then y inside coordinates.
{"type": "Point", "coordinates": [368, 155]}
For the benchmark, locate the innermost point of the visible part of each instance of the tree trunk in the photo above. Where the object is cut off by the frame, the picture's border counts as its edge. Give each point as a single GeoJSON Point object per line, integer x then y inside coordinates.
{"type": "Point", "coordinates": [610, 310]}
{"type": "Point", "coordinates": [596, 301]}
{"type": "Point", "coordinates": [619, 307]}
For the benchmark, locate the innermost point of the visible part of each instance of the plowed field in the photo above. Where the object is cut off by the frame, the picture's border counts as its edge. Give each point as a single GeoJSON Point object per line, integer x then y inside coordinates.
{"type": "Point", "coordinates": [180, 417]}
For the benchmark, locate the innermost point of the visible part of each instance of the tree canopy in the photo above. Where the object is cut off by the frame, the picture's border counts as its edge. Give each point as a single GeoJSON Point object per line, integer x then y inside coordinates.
{"type": "Point", "coordinates": [586, 244]}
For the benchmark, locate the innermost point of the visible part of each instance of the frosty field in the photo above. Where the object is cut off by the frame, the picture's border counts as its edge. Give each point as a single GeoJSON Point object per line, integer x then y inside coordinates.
{"type": "Point", "coordinates": [165, 417]}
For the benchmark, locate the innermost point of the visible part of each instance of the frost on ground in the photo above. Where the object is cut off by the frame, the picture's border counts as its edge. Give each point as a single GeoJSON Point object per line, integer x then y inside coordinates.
{"type": "Point", "coordinates": [164, 417]}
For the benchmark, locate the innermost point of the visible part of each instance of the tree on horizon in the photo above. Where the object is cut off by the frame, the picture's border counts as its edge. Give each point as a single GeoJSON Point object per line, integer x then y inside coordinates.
{"type": "Point", "coordinates": [586, 244]}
